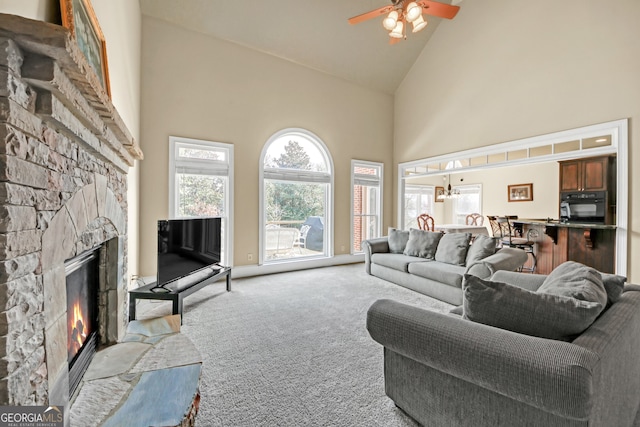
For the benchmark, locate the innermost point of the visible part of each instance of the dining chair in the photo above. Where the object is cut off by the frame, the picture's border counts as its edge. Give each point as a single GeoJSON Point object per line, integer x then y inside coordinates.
{"type": "Point", "coordinates": [495, 227]}
{"type": "Point", "coordinates": [510, 236]}
{"type": "Point", "coordinates": [426, 222]}
{"type": "Point", "coordinates": [474, 219]}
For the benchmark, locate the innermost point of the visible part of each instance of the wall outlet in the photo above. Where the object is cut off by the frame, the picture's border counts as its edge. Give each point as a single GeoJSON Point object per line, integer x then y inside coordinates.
{"type": "Point", "coordinates": [342, 248]}
{"type": "Point", "coordinates": [249, 257]}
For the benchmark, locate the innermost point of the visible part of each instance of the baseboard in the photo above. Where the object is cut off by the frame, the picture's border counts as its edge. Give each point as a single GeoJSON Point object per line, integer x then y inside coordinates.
{"type": "Point", "coordinates": [281, 267]}
{"type": "Point", "coordinates": [293, 265]}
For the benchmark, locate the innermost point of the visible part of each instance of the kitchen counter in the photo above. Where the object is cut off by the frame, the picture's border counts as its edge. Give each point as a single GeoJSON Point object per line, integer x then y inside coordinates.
{"type": "Point", "coordinates": [556, 223]}
{"type": "Point", "coordinates": [557, 242]}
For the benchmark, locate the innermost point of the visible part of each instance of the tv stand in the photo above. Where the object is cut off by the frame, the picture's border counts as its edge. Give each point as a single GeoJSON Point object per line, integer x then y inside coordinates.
{"type": "Point", "coordinates": [175, 295]}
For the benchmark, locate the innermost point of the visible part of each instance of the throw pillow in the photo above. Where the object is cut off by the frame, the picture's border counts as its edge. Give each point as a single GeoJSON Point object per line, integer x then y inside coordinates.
{"type": "Point", "coordinates": [575, 280]}
{"type": "Point", "coordinates": [532, 313]}
{"type": "Point", "coordinates": [397, 240]}
{"type": "Point", "coordinates": [614, 285]}
{"type": "Point", "coordinates": [453, 248]}
{"type": "Point", "coordinates": [422, 243]}
{"type": "Point", "coordinates": [481, 247]}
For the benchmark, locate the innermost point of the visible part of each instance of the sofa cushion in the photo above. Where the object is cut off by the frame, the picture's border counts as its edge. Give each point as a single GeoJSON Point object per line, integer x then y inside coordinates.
{"type": "Point", "coordinates": [422, 243]}
{"type": "Point", "coordinates": [398, 262]}
{"type": "Point", "coordinates": [440, 272]}
{"type": "Point", "coordinates": [452, 248]}
{"type": "Point", "coordinates": [575, 280]}
{"type": "Point", "coordinates": [532, 313]}
{"type": "Point", "coordinates": [482, 247]}
{"type": "Point", "coordinates": [397, 240]}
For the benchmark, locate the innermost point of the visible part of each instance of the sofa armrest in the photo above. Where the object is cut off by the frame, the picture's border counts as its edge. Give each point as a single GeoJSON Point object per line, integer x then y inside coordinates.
{"type": "Point", "coordinates": [509, 259]}
{"type": "Point", "coordinates": [373, 246]}
{"type": "Point", "coordinates": [615, 337]}
{"type": "Point", "coordinates": [554, 376]}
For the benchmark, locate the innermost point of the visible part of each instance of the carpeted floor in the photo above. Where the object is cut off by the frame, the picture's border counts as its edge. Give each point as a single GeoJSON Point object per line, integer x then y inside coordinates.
{"type": "Point", "coordinates": [292, 349]}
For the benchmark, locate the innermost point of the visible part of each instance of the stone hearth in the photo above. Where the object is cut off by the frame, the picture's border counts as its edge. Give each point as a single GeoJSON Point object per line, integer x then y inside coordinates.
{"type": "Point", "coordinates": [126, 383]}
{"type": "Point", "coordinates": [64, 157]}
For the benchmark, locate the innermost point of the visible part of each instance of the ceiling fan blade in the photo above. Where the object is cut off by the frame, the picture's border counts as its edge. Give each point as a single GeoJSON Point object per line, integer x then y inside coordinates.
{"type": "Point", "coordinates": [369, 15]}
{"type": "Point", "coordinates": [394, 40]}
{"type": "Point", "coordinates": [440, 10]}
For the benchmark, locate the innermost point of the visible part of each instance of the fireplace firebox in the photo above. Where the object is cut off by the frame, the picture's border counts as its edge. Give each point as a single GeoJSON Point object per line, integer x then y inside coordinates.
{"type": "Point", "coordinates": [82, 279]}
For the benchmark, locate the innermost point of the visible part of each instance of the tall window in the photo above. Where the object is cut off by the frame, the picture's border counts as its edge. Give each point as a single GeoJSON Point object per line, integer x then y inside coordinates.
{"type": "Point", "coordinates": [469, 201]}
{"type": "Point", "coordinates": [200, 183]}
{"type": "Point", "coordinates": [366, 202]}
{"type": "Point", "coordinates": [296, 195]}
{"type": "Point", "coordinates": [418, 199]}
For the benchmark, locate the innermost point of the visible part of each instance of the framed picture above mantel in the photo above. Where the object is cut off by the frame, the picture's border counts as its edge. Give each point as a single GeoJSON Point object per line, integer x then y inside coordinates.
{"type": "Point", "coordinates": [520, 192]}
{"type": "Point", "coordinates": [78, 16]}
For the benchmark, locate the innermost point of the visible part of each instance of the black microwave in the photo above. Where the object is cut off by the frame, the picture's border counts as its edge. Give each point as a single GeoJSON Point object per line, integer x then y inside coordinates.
{"type": "Point", "coordinates": [583, 206]}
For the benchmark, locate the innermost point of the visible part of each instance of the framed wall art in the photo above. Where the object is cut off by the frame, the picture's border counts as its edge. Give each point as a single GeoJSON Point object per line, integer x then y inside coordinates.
{"type": "Point", "coordinates": [78, 16]}
{"type": "Point", "coordinates": [439, 192]}
{"type": "Point", "coordinates": [520, 192]}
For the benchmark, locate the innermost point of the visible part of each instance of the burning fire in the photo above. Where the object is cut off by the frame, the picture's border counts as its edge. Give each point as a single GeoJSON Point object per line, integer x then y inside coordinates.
{"type": "Point", "coordinates": [77, 330]}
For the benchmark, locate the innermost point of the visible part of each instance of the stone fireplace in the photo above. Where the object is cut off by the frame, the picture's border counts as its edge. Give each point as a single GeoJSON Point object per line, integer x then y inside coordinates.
{"type": "Point", "coordinates": [64, 158]}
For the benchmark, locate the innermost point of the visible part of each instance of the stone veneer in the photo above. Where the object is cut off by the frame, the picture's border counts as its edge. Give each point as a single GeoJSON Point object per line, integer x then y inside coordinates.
{"type": "Point", "coordinates": [64, 156]}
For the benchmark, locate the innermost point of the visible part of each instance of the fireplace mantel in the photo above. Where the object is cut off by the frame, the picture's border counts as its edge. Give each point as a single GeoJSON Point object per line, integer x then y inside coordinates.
{"type": "Point", "coordinates": [72, 82]}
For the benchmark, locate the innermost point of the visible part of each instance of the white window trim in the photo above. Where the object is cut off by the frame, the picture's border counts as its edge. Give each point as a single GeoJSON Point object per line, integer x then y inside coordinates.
{"type": "Point", "coordinates": [217, 167]}
{"type": "Point", "coordinates": [380, 183]}
{"type": "Point", "coordinates": [297, 175]}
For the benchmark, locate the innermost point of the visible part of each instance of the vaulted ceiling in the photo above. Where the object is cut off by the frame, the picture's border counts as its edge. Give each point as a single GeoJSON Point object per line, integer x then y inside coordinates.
{"type": "Point", "coordinates": [314, 34]}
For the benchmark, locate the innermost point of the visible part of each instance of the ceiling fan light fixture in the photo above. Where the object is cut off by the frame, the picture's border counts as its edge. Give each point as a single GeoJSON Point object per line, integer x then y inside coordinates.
{"type": "Point", "coordinates": [413, 12]}
{"type": "Point", "coordinates": [418, 24]}
{"type": "Point", "coordinates": [389, 23]}
{"type": "Point", "coordinates": [397, 32]}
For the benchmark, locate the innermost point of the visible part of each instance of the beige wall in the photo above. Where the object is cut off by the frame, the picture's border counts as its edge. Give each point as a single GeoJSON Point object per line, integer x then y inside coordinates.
{"type": "Point", "coordinates": [544, 178]}
{"type": "Point", "coordinates": [502, 71]}
{"type": "Point", "coordinates": [199, 87]}
{"type": "Point", "coordinates": [41, 10]}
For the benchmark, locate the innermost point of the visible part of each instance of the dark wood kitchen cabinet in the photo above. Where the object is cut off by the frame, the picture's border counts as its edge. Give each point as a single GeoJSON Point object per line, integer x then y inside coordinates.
{"type": "Point", "coordinates": [589, 174]}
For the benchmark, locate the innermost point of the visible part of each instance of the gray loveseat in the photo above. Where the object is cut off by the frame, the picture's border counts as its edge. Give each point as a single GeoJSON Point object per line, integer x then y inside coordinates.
{"type": "Point", "coordinates": [446, 370]}
{"type": "Point", "coordinates": [433, 263]}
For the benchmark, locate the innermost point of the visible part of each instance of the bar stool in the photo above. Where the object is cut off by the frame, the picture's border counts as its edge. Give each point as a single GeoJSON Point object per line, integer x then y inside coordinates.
{"type": "Point", "coordinates": [510, 237]}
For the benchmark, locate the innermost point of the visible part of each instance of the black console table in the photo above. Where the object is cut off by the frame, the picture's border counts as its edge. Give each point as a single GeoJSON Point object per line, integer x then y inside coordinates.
{"type": "Point", "coordinates": [174, 293]}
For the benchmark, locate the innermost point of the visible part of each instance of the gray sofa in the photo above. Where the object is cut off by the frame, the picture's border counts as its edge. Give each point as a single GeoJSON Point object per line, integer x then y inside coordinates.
{"type": "Point", "coordinates": [437, 272]}
{"type": "Point", "coordinates": [446, 370]}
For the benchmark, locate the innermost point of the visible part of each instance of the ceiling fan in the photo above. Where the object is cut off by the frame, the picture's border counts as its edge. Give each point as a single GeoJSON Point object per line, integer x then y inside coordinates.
{"type": "Point", "coordinates": [402, 12]}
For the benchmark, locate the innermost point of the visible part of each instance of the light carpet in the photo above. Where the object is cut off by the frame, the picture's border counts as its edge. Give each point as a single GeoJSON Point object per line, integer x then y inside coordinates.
{"type": "Point", "coordinates": [292, 349]}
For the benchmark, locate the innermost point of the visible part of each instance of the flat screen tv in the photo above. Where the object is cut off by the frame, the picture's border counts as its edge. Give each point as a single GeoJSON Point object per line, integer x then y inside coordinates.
{"type": "Point", "coordinates": [187, 246]}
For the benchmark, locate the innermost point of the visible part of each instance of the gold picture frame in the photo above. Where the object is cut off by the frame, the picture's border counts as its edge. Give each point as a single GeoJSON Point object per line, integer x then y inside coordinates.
{"type": "Point", "coordinates": [520, 192]}
{"type": "Point", "coordinates": [78, 16]}
{"type": "Point", "coordinates": [439, 192]}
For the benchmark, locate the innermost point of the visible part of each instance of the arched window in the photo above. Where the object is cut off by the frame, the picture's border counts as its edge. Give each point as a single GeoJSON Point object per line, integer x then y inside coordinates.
{"type": "Point", "coordinates": [296, 195]}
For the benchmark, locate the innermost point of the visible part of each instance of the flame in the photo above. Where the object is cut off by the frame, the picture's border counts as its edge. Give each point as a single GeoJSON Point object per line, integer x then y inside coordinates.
{"type": "Point", "coordinates": [77, 329]}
